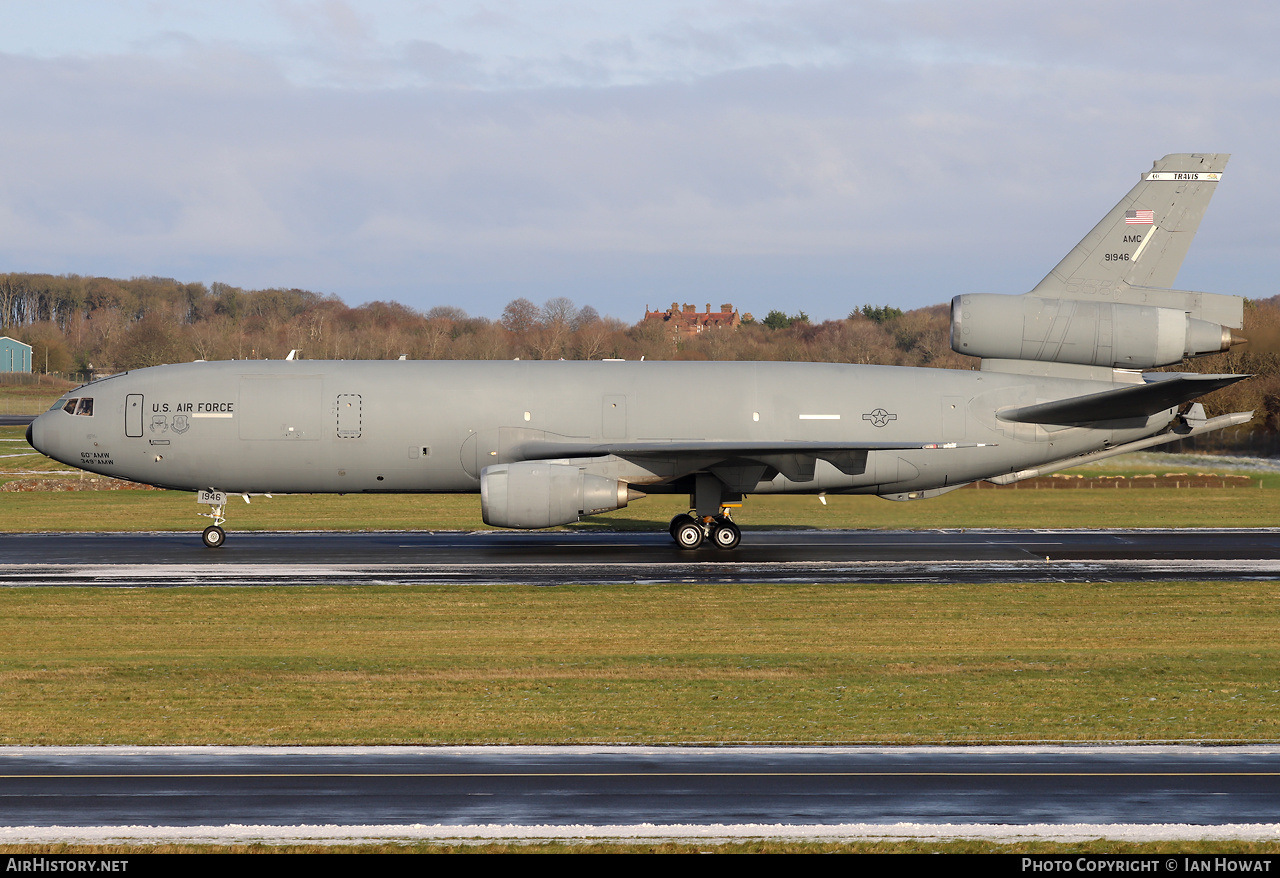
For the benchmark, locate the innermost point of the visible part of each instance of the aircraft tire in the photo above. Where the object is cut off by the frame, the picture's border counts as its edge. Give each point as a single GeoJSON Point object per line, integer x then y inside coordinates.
{"type": "Point", "coordinates": [726, 536]}
{"type": "Point", "coordinates": [677, 521]}
{"type": "Point", "coordinates": [689, 535]}
{"type": "Point", "coordinates": [214, 536]}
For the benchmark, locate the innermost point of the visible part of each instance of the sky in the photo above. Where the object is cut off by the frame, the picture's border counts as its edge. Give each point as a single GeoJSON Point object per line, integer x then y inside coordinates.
{"type": "Point", "coordinates": [802, 155]}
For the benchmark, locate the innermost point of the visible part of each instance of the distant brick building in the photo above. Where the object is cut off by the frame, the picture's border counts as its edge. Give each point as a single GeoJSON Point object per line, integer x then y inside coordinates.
{"type": "Point", "coordinates": [688, 321]}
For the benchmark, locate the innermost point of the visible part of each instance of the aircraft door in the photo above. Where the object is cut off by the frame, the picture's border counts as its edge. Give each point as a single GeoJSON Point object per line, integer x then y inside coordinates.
{"type": "Point", "coordinates": [133, 415]}
{"type": "Point", "coordinates": [350, 416]}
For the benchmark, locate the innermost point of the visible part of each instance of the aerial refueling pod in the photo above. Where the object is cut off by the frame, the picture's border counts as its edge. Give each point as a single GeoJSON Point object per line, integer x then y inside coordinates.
{"type": "Point", "coordinates": [538, 494]}
{"type": "Point", "coordinates": [1090, 333]}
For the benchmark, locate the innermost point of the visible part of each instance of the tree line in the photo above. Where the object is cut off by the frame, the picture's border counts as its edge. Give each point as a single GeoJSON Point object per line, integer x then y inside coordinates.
{"type": "Point", "coordinates": [76, 322]}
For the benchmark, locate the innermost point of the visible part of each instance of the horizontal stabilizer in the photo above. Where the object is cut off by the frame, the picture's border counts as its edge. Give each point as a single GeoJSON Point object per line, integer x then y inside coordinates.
{"type": "Point", "coordinates": [1161, 390]}
{"type": "Point", "coordinates": [1190, 427]}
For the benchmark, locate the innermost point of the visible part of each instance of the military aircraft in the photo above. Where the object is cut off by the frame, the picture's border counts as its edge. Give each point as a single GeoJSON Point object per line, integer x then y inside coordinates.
{"type": "Point", "coordinates": [1061, 383]}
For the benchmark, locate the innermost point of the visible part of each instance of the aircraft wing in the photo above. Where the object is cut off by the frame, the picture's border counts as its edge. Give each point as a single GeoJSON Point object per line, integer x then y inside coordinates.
{"type": "Point", "coordinates": [1161, 390]}
{"type": "Point", "coordinates": [794, 459]}
{"type": "Point", "coordinates": [545, 450]}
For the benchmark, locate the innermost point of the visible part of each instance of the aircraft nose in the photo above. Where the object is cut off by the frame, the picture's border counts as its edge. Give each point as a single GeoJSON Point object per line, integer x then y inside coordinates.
{"type": "Point", "coordinates": [36, 432]}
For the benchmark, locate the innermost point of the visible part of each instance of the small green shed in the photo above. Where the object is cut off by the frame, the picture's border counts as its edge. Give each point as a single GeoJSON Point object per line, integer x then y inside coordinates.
{"type": "Point", "coordinates": [14, 355]}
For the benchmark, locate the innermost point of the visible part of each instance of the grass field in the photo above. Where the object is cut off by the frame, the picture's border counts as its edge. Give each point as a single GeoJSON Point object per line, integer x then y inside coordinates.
{"type": "Point", "coordinates": [658, 663]}
{"type": "Point", "coordinates": [155, 510]}
{"type": "Point", "coordinates": [31, 399]}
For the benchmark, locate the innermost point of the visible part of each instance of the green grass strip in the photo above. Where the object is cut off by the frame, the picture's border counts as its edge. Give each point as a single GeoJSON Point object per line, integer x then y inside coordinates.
{"type": "Point", "coordinates": [658, 663]}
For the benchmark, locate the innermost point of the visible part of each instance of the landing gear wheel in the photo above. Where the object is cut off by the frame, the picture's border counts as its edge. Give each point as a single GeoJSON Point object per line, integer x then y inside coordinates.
{"type": "Point", "coordinates": [726, 535]}
{"type": "Point", "coordinates": [680, 519]}
{"type": "Point", "coordinates": [214, 536]}
{"type": "Point", "coordinates": [689, 535]}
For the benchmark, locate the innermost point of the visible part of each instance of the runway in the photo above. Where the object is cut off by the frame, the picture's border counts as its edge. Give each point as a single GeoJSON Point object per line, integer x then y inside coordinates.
{"type": "Point", "coordinates": [175, 559]}
{"type": "Point", "coordinates": [450, 792]}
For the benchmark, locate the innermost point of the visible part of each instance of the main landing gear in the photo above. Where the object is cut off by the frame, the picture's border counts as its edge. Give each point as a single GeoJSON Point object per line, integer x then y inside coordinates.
{"type": "Point", "coordinates": [690, 531]}
{"type": "Point", "coordinates": [708, 519]}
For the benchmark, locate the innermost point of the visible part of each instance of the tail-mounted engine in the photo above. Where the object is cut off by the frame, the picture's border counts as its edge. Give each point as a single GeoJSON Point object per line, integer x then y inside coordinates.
{"type": "Point", "coordinates": [1118, 334]}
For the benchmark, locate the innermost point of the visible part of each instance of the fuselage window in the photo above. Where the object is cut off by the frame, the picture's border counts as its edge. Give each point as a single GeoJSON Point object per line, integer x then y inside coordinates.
{"type": "Point", "coordinates": [85, 407]}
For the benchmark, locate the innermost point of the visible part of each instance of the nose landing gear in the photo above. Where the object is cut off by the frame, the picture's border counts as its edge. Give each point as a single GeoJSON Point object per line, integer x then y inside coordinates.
{"type": "Point", "coordinates": [214, 536]}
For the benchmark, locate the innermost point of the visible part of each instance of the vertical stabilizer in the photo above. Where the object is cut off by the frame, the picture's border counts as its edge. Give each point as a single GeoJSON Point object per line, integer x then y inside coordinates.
{"type": "Point", "coordinates": [1145, 237]}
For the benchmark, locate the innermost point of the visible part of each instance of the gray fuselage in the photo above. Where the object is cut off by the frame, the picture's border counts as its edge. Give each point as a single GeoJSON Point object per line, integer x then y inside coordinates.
{"type": "Point", "coordinates": [431, 426]}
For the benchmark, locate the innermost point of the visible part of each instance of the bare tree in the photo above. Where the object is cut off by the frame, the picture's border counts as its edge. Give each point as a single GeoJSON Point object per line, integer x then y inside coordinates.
{"type": "Point", "coordinates": [520, 316]}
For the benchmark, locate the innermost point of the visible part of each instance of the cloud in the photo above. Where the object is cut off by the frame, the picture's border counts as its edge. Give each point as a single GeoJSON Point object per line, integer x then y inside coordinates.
{"type": "Point", "coordinates": [807, 154]}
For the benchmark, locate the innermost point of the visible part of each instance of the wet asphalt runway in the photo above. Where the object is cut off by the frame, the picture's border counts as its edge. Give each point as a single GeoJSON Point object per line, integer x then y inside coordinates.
{"type": "Point", "coordinates": [168, 559]}
{"type": "Point", "coordinates": [618, 786]}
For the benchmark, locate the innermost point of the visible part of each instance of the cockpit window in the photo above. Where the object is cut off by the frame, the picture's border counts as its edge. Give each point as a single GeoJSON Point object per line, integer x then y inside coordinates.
{"type": "Point", "coordinates": [79, 406]}
{"type": "Point", "coordinates": [57, 405]}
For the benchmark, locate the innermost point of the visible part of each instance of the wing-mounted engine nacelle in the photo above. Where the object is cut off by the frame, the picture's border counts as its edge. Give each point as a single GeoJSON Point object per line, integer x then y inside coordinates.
{"type": "Point", "coordinates": [537, 494]}
{"type": "Point", "coordinates": [1090, 333]}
